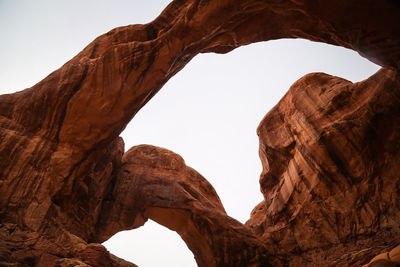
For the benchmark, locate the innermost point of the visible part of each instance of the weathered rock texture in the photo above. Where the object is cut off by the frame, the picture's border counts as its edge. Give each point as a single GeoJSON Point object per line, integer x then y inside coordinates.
{"type": "Point", "coordinates": [330, 154]}
{"type": "Point", "coordinates": [390, 258]}
{"type": "Point", "coordinates": [155, 183]}
{"type": "Point", "coordinates": [329, 148]}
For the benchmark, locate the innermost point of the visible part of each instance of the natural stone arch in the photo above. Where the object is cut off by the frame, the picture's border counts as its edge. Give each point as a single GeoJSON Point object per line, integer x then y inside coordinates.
{"type": "Point", "coordinates": [154, 183]}
{"type": "Point", "coordinates": [70, 152]}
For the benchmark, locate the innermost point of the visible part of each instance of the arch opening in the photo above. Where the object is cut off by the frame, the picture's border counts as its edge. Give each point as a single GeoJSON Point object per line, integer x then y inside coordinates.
{"type": "Point", "coordinates": [208, 113]}
{"type": "Point", "coordinates": [192, 127]}
{"type": "Point", "coordinates": [154, 248]}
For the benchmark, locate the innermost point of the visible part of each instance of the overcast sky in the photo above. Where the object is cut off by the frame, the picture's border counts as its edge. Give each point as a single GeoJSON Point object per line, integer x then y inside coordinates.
{"type": "Point", "coordinates": [208, 113]}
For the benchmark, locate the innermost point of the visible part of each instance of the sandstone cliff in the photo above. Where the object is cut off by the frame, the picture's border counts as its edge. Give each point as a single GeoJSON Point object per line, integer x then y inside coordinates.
{"type": "Point", "coordinates": [330, 180]}
{"type": "Point", "coordinates": [329, 148]}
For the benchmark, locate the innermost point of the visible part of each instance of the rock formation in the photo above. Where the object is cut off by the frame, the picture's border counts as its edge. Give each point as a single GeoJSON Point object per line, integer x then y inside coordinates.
{"type": "Point", "coordinates": [330, 178]}
{"type": "Point", "coordinates": [329, 148]}
{"type": "Point", "coordinates": [155, 183]}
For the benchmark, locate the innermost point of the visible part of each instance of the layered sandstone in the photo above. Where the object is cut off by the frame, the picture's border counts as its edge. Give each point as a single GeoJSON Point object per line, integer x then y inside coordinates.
{"type": "Point", "coordinates": [329, 148]}
{"type": "Point", "coordinates": [330, 178]}
{"type": "Point", "coordinates": [155, 183]}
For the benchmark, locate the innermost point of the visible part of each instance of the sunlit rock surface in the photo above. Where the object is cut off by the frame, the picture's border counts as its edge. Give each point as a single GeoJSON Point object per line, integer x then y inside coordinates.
{"type": "Point", "coordinates": [329, 148]}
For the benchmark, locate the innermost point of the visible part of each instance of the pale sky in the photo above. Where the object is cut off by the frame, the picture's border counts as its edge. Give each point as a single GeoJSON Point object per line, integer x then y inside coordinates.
{"type": "Point", "coordinates": [208, 113]}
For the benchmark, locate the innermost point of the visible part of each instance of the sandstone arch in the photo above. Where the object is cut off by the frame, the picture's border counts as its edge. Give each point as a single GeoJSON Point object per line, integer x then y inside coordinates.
{"type": "Point", "coordinates": [155, 183]}
{"type": "Point", "coordinates": [67, 151]}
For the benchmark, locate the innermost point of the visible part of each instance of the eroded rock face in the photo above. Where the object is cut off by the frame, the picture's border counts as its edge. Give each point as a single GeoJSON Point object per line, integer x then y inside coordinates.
{"type": "Point", "coordinates": [61, 159]}
{"type": "Point", "coordinates": [155, 183]}
{"type": "Point", "coordinates": [330, 178]}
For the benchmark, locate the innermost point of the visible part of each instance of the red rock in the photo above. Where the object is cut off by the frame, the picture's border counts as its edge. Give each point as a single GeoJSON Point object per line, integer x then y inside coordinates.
{"type": "Point", "coordinates": [330, 180]}
{"type": "Point", "coordinates": [387, 258]}
{"type": "Point", "coordinates": [60, 155]}
{"type": "Point", "coordinates": [155, 183]}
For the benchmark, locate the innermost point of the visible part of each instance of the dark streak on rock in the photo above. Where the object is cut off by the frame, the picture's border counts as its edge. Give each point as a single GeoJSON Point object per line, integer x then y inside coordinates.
{"type": "Point", "coordinates": [71, 93]}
